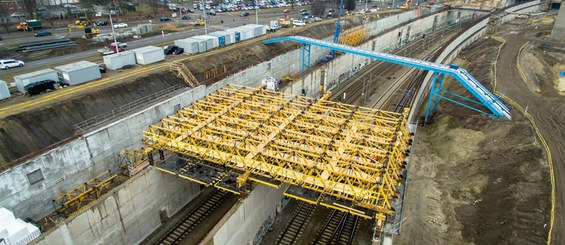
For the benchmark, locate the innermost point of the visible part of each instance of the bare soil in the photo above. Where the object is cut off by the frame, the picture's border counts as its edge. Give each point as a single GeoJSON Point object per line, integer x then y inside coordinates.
{"type": "Point", "coordinates": [30, 131]}
{"type": "Point", "coordinates": [475, 180]}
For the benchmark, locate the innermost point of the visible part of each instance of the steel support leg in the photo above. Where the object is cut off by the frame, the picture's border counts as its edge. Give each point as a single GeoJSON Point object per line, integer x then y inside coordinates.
{"type": "Point", "coordinates": [438, 89]}
{"type": "Point", "coordinates": [432, 94]}
{"type": "Point", "coordinates": [305, 48]}
{"type": "Point", "coordinates": [309, 48]}
{"type": "Point", "coordinates": [302, 60]}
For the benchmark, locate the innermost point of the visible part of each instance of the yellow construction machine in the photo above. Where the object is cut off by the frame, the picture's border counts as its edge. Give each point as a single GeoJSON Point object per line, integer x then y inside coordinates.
{"type": "Point", "coordinates": [284, 23]}
{"type": "Point", "coordinates": [199, 22]}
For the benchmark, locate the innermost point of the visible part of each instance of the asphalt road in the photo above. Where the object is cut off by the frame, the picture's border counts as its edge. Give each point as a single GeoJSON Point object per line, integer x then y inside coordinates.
{"type": "Point", "coordinates": [230, 19]}
{"type": "Point", "coordinates": [548, 111]}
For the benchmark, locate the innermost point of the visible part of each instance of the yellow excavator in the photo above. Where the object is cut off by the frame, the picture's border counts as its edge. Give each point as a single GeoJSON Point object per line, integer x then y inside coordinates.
{"type": "Point", "coordinates": [199, 22]}
{"type": "Point", "coordinates": [284, 23]}
{"type": "Point", "coordinates": [405, 5]}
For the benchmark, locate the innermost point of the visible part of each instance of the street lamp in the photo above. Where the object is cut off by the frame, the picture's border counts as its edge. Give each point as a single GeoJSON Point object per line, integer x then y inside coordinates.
{"type": "Point", "coordinates": [256, 14]}
{"type": "Point", "coordinates": [204, 17]}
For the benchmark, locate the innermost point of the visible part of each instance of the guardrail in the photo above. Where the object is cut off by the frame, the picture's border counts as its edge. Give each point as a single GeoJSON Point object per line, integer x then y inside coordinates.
{"type": "Point", "coordinates": [136, 104]}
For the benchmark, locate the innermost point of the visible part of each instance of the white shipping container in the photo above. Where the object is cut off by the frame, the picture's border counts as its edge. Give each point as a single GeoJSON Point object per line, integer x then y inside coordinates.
{"type": "Point", "coordinates": [4, 94]}
{"type": "Point", "coordinates": [215, 41]}
{"type": "Point", "coordinates": [228, 37]}
{"type": "Point", "coordinates": [119, 60]}
{"type": "Point", "coordinates": [25, 79]}
{"type": "Point", "coordinates": [189, 45]}
{"type": "Point", "coordinates": [246, 33]}
{"type": "Point", "coordinates": [16, 231]}
{"type": "Point", "coordinates": [149, 55]}
{"type": "Point", "coordinates": [258, 30]}
{"type": "Point", "coordinates": [208, 40]}
{"type": "Point", "coordinates": [79, 72]}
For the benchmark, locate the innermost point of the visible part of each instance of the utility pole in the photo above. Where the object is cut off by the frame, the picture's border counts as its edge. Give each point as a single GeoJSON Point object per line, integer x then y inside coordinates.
{"type": "Point", "coordinates": [204, 17]}
{"type": "Point", "coordinates": [256, 13]}
{"type": "Point", "coordinates": [114, 33]}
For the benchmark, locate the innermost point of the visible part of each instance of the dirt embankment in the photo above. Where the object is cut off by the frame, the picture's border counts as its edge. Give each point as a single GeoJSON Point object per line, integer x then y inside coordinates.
{"type": "Point", "coordinates": [28, 132]}
{"type": "Point", "coordinates": [475, 180]}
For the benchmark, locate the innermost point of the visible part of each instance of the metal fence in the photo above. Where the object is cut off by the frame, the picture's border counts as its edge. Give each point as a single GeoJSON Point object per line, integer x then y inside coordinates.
{"type": "Point", "coordinates": [136, 104]}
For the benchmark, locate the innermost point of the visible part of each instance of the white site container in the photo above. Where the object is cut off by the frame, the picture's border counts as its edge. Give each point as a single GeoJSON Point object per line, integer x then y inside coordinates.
{"type": "Point", "coordinates": [225, 38]}
{"type": "Point", "coordinates": [119, 60]}
{"type": "Point", "coordinates": [208, 40]}
{"type": "Point", "coordinates": [245, 32]}
{"type": "Point", "coordinates": [16, 231]}
{"type": "Point", "coordinates": [190, 46]}
{"type": "Point", "coordinates": [78, 72]}
{"type": "Point", "coordinates": [25, 79]}
{"type": "Point", "coordinates": [258, 30]}
{"type": "Point", "coordinates": [149, 55]}
{"type": "Point", "coordinates": [236, 34]}
{"type": "Point", "coordinates": [4, 94]}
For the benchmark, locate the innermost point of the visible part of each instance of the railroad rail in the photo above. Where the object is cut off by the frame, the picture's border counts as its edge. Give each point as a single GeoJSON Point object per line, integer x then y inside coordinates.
{"type": "Point", "coordinates": [355, 90]}
{"type": "Point", "coordinates": [191, 221]}
{"type": "Point", "coordinates": [293, 229]}
{"type": "Point", "coordinates": [339, 228]}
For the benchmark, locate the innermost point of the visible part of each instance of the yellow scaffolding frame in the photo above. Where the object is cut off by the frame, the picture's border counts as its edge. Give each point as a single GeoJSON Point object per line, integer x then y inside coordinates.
{"type": "Point", "coordinates": [348, 152]}
{"type": "Point", "coordinates": [73, 200]}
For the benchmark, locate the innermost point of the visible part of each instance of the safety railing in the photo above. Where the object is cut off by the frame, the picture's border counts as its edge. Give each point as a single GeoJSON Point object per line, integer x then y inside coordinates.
{"type": "Point", "coordinates": [136, 104]}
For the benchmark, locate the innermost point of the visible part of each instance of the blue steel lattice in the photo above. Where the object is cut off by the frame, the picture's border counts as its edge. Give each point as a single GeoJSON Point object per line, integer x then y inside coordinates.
{"type": "Point", "coordinates": [486, 98]}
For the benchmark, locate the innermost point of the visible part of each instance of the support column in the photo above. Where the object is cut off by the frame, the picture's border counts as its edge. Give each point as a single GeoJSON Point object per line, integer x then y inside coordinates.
{"type": "Point", "coordinates": [432, 94]}
{"type": "Point", "coordinates": [438, 90]}
{"type": "Point", "coordinates": [305, 48]}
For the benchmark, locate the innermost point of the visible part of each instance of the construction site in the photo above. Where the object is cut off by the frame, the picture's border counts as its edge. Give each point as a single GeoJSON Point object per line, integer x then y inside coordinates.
{"type": "Point", "coordinates": [436, 125]}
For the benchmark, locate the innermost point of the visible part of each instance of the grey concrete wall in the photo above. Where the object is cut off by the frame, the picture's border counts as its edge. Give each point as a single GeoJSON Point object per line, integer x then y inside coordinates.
{"type": "Point", "coordinates": [246, 218]}
{"type": "Point", "coordinates": [127, 214]}
{"type": "Point", "coordinates": [81, 159]}
{"type": "Point", "coordinates": [559, 25]}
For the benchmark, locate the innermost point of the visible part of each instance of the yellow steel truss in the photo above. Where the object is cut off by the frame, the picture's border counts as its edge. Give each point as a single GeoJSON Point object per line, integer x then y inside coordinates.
{"type": "Point", "coordinates": [354, 37]}
{"type": "Point", "coordinates": [73, 200]}
{"type": "Point", "coordinates": [351, 153]}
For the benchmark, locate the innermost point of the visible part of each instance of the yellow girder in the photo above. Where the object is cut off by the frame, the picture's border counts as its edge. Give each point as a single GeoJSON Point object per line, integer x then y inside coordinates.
{"type": "Point", "coordinates": [340, 150]}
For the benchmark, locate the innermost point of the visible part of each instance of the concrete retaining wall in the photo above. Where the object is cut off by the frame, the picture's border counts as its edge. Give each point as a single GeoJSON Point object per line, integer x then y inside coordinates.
{"type": "Point", "coordinates": [128, 213]}
{"type": "Point", "coordinates": [246, 218]}
{"type": "Point", "coordinates": [29, 188]}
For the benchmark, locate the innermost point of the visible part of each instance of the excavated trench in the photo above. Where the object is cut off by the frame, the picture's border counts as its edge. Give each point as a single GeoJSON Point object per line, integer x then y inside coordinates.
{"type": "Point", "coordinates": [30, 133]}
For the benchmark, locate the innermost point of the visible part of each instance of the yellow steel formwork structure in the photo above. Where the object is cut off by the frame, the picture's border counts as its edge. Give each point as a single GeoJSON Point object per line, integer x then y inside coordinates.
{"type": "Point", "coordinates": [348, 152]}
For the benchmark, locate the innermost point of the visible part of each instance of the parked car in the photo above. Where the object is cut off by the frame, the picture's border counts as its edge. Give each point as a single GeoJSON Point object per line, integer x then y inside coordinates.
{"type": "Point", "coordinates": [163, 19]}
{"type": "Point", "coordinates": [305, 13]}
{"type": "Point", "coordinates": [286, 11]}
{"type": "Point", "coordinates": [10, 63]}
{"type": "Point", "coordinates": [42, 34]}
{"type": "Point", "coordinates": [298, 23]}
{"type": "Point", "coordinates": [103, 23]}
{"type": "Point", "coordinates": [17, 15]}
{"type": "Point", "coordinates": [185, 17]}
{"type": "Point", "coordinates": [179, 51]}
{"type": "Point", "coordinates": [120, 25]}
{"type": "Point", "coordinates": [170, 49]}
{"type": "Point", "coordinates": [187, 10]}
{"type": "Point", "coordinates": [244, 14]}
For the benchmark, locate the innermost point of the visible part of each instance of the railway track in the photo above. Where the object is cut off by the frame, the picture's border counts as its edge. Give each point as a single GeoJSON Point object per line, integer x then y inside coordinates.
{"type": "Point", "coordinates": [293, 229]}
{"type": "Point", "coordinates": [339, 228]}
{"type": "Point", "coordinates": [358, 88]}
{"type": "Point", "coordinates": [191, 221]}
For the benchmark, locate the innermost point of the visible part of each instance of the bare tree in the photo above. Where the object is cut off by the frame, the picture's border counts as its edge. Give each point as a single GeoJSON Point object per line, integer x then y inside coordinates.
{"type": "Point", "coordinates": [4, 20]}
{"type": "Point", "coordinates": [318, 8]}
{"type": "Point", "coordinates": [29, 6]}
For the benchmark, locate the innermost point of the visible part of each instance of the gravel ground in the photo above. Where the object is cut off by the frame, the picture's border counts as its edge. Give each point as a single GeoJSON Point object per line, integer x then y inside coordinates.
{"type": "Point", "coordinates": [480, 181]}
